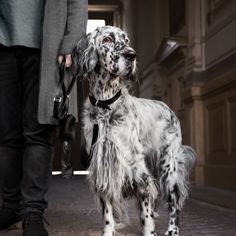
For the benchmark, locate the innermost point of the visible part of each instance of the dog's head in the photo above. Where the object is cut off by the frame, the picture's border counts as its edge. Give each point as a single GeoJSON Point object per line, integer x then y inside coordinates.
{"type": "Point", "coordinates": [106, 47]}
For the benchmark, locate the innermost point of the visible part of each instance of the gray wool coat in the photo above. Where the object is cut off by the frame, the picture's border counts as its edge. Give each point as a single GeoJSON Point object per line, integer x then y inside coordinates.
{"type": "Point", "coordinates": [64, 24]}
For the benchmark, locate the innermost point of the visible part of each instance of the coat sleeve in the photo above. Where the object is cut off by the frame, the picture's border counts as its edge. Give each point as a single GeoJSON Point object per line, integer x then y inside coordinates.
{"type": "Point", "coordinates": [77, 15]}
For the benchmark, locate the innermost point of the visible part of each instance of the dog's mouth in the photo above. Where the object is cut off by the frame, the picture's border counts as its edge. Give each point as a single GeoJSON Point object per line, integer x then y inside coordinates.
{"type": "Point", "coordinates": [131, 75]}
{"type": "Point", "coordinates": [128, 69]}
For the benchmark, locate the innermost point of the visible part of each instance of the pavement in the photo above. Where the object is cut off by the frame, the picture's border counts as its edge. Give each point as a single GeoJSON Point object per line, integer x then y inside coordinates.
{"type": "Point", "coordinates": [72, 212]}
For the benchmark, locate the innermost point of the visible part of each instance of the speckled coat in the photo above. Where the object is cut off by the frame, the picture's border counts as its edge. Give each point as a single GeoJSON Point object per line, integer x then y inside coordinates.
{"type": "Point", "coordinates": [64, 24]}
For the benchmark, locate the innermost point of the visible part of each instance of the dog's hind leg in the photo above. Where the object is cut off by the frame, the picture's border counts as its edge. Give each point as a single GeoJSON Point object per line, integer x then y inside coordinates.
{"type": "Point", "coordinates": [109, 222]}
{"type": "Point", "coordinates": [176, 164]}
{"type": "Point", "coordinates": [173, 228]}
{"type": "Point", "coordinates": [169, 183]}
{"type": "Point", "coordinates": [147, 205]}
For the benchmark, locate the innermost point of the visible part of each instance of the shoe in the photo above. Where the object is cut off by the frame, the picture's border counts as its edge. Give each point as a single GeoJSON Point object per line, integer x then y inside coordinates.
{"type": "Point", "coordinates": [8, 217]}
{"type": "Point", "coordinates": [33, 224]}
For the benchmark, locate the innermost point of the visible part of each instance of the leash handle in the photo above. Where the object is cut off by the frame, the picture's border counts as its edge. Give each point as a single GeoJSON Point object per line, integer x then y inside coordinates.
{"type": "Point", "coordinates": [62, 69]}
{"type": "Point", "coordinates": [61, 100]}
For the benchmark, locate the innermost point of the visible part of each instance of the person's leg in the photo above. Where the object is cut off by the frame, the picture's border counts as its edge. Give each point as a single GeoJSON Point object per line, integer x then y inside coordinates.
{"type": "Point", "coordinates": [37, 151]}
{"type": "Point", "coordinates": [10, 137]}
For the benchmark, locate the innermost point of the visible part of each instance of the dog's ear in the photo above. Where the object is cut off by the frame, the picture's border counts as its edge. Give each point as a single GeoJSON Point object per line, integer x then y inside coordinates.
{"type": "Point", "coordinates": [84, 56]}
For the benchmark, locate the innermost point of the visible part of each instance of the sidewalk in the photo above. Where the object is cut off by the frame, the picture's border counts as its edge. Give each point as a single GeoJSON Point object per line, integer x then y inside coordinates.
{"type": "Point", "coordinates": [214, 196]}
{"type": "Point", "coordinates": [72, 212]}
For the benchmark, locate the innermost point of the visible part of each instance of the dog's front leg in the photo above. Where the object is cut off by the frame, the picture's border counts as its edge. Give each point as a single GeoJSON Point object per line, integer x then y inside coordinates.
{"type": "Point", "coordinates": [147, 214]}
{"type": "Point", "coordinates": [109, 222]}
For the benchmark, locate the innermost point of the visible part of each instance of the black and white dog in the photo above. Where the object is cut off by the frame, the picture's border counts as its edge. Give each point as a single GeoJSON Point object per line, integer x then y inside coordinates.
{"type": "Point", "coordinates": [135, 144]}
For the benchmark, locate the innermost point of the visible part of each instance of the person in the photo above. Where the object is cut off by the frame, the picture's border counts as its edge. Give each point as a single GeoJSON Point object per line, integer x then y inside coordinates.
{"type": "Point", "coordinates": [34, 37]}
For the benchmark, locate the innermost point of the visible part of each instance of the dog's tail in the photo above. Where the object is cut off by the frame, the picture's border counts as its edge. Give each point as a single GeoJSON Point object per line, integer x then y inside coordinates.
{"type": "Point", "coordinates": [185, 161]}
{"type": "Point", "coordinates": [178, 181]}
{"type": "Point", "coordinates": [189, 156]}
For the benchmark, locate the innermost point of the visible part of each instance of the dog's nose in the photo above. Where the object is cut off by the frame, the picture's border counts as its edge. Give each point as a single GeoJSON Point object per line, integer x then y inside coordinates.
{"type": "Point", "coordinates": [130, 55]}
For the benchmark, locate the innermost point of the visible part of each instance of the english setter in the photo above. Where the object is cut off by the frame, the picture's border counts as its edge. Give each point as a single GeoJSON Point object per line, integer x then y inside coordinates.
{"type": "Point", "coordinates": [135, 144]}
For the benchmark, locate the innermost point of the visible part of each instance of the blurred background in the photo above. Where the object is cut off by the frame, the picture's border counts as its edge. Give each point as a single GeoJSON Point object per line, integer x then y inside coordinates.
{"type": "Point", "coordinates": [186, 58]}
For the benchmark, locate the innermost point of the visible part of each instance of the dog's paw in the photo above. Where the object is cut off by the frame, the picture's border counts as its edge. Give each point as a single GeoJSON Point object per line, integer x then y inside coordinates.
{"type": "Point", "coordinates": [172, 232]}
{"type": "Point", "coordinates": [153, 233]}
{"type": "Point", "coordinates": [109, 232]}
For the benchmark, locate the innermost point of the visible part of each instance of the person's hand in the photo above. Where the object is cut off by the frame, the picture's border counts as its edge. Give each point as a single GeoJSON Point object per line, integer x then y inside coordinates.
{"type": "Point", "coordinates": [67, 58]}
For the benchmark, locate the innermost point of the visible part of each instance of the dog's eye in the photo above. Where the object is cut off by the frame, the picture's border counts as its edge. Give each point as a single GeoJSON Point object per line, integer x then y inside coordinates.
{"type": "Point", "coordinates": [107, 40]}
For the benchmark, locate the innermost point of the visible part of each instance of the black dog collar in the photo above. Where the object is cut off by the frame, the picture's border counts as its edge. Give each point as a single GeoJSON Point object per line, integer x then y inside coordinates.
{"type": "Point", "coordinates": [104, 103]}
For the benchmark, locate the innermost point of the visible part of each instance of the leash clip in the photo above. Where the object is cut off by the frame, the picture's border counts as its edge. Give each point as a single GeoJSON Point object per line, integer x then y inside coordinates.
{"type": "Point", "coordinates": [57, 99]}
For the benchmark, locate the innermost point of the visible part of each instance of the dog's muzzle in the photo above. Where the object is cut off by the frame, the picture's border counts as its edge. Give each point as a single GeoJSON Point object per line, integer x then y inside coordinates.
{"type": "Point", "coordinates": [129, 54]}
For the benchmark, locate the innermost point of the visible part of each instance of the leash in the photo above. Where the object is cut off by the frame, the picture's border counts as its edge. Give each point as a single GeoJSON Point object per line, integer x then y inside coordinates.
{"type": "Point", "coordinates": [105, 105]}
{"type": "Point", "coordinates": [61, 100]}
{"type": "Point", "coordinates": [66, 121]}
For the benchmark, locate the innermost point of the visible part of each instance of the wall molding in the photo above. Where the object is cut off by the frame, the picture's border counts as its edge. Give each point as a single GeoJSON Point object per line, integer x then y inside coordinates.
{"type": "Point", "coordinates": [219, 69]}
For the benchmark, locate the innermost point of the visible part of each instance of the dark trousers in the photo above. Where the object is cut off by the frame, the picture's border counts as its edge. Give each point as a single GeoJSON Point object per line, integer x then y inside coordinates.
{"type": "Point", "coordinates": [25, 145]}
